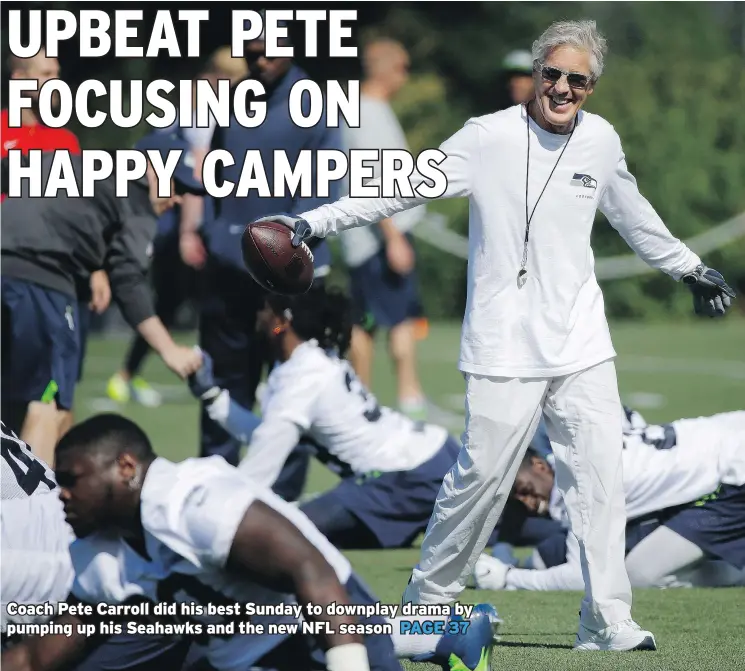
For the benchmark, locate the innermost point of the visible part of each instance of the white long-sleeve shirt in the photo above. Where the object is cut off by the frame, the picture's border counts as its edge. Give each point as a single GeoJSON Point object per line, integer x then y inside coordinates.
{"type": "Point", "coordinates": [708, 451]}
{"type": "Point", "coordinates": [555, 323]}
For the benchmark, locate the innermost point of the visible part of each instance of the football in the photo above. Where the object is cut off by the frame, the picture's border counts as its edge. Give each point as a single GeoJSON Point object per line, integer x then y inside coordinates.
{"type": "Point", "coordinates": [273, 262]}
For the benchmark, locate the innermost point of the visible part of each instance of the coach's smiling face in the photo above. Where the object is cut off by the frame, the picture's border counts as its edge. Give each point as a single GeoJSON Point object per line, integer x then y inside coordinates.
{"type": "Point", "coordinates": [560, 98]}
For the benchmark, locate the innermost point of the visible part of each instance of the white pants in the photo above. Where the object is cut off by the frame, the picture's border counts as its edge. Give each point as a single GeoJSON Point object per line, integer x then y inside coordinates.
{"type": "Point", "coordinates": [584, 421]}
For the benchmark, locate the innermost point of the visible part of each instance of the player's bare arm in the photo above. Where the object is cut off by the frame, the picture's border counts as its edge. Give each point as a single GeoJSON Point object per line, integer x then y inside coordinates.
{"type": "Point", "coordinates": [47, 653]}
{"type": "Point", "coordinates": [272, 549]}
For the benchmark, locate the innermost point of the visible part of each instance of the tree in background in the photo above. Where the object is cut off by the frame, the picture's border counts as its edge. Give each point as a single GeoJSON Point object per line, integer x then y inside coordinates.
{"type": "Point", "coordinates": [674, 87]}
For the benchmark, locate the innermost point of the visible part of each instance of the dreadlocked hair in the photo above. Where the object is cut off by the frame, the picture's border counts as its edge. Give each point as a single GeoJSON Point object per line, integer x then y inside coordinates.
{"type": "Point", "coordinates": [322, 314]}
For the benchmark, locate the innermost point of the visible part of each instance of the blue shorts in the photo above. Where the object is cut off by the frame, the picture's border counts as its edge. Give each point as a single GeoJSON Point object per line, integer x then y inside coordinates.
{"type": "Point", "coordinates": [553, 550]}
{"type": "Point", "coordinates": [396, 506]}
{"type": "Point", "coordinates": [84, 325]}
{"type": "Point", "coordinates": [303, 652]}
{"type": "Point", "coordinates": [130, 652]}
{"type": "Point", "coordinates": [716, 523]}
{"type": "Point", "coordinates": [381, 297]}
{"type": "Point", "coordinates": [40, 343]}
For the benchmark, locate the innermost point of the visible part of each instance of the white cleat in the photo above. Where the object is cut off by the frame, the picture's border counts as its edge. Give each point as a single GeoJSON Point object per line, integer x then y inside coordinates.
{"type": "Point", "coordinates": [621, 637]}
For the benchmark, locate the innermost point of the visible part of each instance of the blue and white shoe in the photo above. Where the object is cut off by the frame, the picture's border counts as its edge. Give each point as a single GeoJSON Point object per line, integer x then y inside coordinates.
{"type": "Point", "coordinates": [469, 650]}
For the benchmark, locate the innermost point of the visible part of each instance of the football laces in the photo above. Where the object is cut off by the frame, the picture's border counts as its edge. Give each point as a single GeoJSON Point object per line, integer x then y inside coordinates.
{"type": "Point", "coordinates": [307, 249]}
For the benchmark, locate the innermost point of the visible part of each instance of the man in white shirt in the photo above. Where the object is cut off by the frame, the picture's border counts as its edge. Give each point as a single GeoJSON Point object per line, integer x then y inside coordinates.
{"type": "Point", "coordinates": [684, 486]}
{"type": "Point", "coordinates": [535, 337]}
{"type": "Point", "coordinates": [381, 258]}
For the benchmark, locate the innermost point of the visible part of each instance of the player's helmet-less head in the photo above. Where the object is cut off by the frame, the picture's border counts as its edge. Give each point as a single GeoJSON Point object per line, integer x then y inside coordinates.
{"type": "Point", "coordinates": [533, 483]}
{"type": "Point", "coordinates": [568, 60]}
{"type": "Point", "coordinates": [267, 70]}
{"type": "Point", "coordinates": [322, 314]}
{"type": "Point", "coordinates": [100, 465]}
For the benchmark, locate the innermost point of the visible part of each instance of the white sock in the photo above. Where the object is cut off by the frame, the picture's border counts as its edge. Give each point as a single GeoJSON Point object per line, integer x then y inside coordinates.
{"type": "Point", "coordinates": [412, 404]}
{"type": "Point", "coordinates": [410, 645]}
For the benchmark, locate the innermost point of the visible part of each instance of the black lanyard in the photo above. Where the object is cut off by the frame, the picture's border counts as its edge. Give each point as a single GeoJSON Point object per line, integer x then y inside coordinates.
{"type": "Point", "coordinates": [523, 272]}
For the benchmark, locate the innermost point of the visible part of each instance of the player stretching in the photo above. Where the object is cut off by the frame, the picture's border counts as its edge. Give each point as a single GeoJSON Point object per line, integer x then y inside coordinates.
{"type": "Point", "coordinates": [685, 504]}
{"type": "Point", "coordinates": [535, 336]}
{"type": "Point", "coordinates": [391, 467]}
{"type": "Point", "coordinates": [37, 568]}
{"type": "Point", "coordinates": [197, 532]}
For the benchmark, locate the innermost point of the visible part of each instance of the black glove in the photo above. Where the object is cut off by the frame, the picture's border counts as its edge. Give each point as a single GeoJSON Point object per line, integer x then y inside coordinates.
{"type": "Point", "coordinates": [711, 294]}
{"type": "Point", "coordinates": [301, 229]}
{"type": "Point", "coordinates": [303, 232]}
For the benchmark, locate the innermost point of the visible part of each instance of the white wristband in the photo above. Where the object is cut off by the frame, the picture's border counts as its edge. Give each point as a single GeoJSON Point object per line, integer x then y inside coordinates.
{"type": "Point", "coordinates": [350, 657]}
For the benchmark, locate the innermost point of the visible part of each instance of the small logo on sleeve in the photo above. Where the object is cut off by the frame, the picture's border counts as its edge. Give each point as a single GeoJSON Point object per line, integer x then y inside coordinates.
{"type": "Point", "coordinates": [586, 181]}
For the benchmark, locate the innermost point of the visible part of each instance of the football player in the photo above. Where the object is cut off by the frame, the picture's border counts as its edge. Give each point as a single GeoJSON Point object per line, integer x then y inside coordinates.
{"type": "Point", "coordinates": [391, 466]}
{"type": "Point", "coordinates": [37, 568]}
{"type": "Point", "coordinates": [199, 535]}
{"type": "Point", "coordinates": [685, 504]}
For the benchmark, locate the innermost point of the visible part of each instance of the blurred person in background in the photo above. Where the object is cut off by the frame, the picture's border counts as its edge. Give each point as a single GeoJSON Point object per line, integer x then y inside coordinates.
{"type": "Point", "coordinates": [178, 248]}
{"type": "Point", "coordinates": [48, 243]}
{"type": "Point", "coordinates": [517, 70]}
{"type": "Point", "coordinates": [381, 258]}
{"type": "Point", "coordinates": [232, 300]}
{"type": "Point", "coordinates": [33, 134]}
{"type": "Point", "coordinates": [220, 66]}
{"type": "Point", "coordinates": [92, 288]}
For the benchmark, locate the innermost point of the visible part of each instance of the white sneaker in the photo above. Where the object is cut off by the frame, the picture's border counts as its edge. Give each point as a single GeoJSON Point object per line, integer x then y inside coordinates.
{"type": "Point", "coordinates": [622, 636]}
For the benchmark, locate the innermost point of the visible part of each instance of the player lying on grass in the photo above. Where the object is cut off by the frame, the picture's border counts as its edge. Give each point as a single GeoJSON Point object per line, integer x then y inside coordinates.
{"type": "Point", "coordinates": [391, 466]}
{"type": "Point", "coordinates": [685, 504]}
{"type": "Point", "coordinates": [198, 532]}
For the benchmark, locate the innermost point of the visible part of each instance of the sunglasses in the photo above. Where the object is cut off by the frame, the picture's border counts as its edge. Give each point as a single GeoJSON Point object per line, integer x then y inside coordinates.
{"type": "Point", "coordinates": [251, 56]}
{"type": "Point", "coordinates": [576, 80]}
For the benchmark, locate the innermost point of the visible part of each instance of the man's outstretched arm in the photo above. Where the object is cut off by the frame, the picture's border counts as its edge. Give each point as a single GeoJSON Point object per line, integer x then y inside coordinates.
{"type": "Point", "coordinates": [461, 163]}
{"type": "Point", "coordinates": [629, 212]}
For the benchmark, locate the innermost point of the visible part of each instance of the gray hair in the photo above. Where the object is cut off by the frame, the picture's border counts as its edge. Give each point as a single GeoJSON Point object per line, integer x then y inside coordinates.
{"type": "Point", "coordinates": [579, 34]}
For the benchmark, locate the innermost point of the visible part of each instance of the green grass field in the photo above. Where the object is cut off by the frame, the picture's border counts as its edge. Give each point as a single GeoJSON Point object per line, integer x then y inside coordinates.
{"type": "Point", "coordinates": [665, 371]}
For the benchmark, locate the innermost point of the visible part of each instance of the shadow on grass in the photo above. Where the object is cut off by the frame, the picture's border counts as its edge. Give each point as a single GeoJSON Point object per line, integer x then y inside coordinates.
{"type": "Point", "coordinates": [548, 646]}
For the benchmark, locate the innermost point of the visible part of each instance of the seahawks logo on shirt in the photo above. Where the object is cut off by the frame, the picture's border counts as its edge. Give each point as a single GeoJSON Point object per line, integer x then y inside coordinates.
{"type": "Point", "coordinates": [584, 180]}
